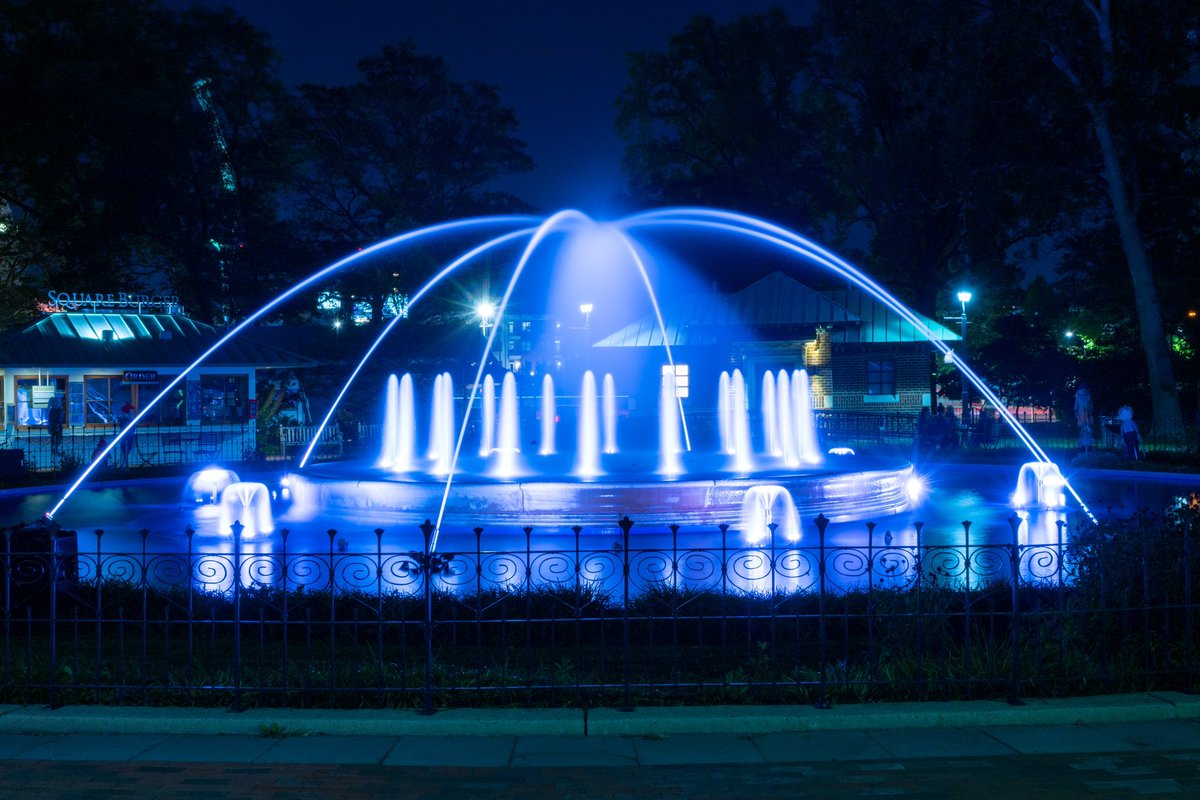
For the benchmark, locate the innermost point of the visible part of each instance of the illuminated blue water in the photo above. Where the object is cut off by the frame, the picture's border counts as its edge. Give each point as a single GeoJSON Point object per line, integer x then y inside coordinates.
{"type": "Point", "coordinates": [958, 492]}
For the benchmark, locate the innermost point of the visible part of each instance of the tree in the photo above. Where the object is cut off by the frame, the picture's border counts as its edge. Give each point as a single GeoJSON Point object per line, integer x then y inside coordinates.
{"type": "Point", "coordinates": [728, 116]}
{"type": "Point", "coordinates": [1130, 72]}
{"type": "Point", "coordinates": [108, 164]}
{"type": "Point", "coordinates": [887, 122]}
{"type": "Point", "coordinates": [406, 146]}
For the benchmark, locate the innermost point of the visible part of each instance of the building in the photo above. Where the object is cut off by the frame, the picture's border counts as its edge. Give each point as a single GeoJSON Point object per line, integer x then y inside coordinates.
{"type": "Point", "coordinates": [98, 356]}
{"type": "Point", "coordinates": [860, 354]}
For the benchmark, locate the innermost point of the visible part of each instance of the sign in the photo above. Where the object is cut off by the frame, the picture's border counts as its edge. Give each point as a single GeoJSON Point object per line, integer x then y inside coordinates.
{"type": "Point", "coordinates": [139, 376]}
{"type": "Point", "coordinates": [77, 301]}
{"type": "Point", "coordinates": [40, 395]}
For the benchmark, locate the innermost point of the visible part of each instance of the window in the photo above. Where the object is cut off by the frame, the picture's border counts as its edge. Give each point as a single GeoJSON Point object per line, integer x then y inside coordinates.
{"type": "Point", "coordinates": [171, 410]}
{"type": "Point", "coordinates": [681, 378]}
{"type": "Point", "coordinates": [33, 398]}
{"type": "Point", "coordinates": [104, 395]}
{"type": "Point", "coordinates": [881, 377]}
{"type": "Point", "coordinates": [224, 398]}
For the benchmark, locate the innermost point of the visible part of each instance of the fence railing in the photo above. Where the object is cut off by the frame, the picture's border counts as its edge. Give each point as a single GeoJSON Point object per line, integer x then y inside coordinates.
{"type": "Point", "coordinates": [623, 624]}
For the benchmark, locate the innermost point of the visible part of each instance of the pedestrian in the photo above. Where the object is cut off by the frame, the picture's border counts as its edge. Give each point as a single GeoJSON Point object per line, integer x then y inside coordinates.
{"type": "Point", "coordinates": [924, 423]}
{"type": "Point", "coordinates": [123, 422]}
{"type": "Point", "coordinates": [1129, 433]}
{"type": "Point", "coordinates": [1083, 405]}
{"type": "Point", "coordinates": [99, 451]}
{"type": "Point", "coordinates": [950, 429]}
{"type": "Point", "coordinates": [54, 421]}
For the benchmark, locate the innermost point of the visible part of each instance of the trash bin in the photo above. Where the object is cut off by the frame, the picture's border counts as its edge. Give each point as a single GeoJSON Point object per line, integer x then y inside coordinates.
{"type": "Point", "coordinates": [12, 463]}
{"type": "Point", "coordinates": [36, 558]}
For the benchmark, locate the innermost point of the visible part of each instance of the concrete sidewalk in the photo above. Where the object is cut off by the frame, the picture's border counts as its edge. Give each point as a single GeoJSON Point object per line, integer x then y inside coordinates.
{"type": "Point", "coordinates": [567, 737]}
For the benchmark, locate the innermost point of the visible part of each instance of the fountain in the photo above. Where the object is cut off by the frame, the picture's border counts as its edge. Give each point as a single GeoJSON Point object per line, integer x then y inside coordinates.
{"type": "Point", "coordinates": [568, 261]}
{"type": "Point", "coordinates": [249, 504]}
{"type": "Point", "coordinates": [663, 484]}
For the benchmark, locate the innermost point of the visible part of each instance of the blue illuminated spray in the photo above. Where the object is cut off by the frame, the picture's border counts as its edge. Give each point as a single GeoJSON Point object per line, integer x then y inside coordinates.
{"type": "Point", "coordinates": [250, 320]}
{"type": "Point", "coordinates": [680, 218]}
{"type": "Point", "coordinates": [749, 226]}
{"type": "Point", "coordinates": [429, 285]}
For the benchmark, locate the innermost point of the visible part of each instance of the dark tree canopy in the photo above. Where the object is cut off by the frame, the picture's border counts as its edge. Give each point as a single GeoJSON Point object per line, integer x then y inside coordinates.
{"type": "Point", "coordinates": [941, 137]}
{"type": "Point", "coordinates": [109, 168]}
{"type": "Point", "coordinates": [406, 146]}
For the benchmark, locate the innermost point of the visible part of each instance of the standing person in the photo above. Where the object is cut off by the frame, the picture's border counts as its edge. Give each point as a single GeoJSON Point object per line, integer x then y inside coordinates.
{"type": "Point", "coordinates": [55, 423]}
{"type": "Point", "coordinates": [123, 422]}
{"type": "Point", "coordinates": [1129, 433]}
{"type": "Point", "coordinates": [924, 422]}
{"type": "Point", "coordinates": [950, 429]}
{"type": "Point", "coordinates": [1083, 416]}
{"type": "Point", "coordinates": [1083, 405]}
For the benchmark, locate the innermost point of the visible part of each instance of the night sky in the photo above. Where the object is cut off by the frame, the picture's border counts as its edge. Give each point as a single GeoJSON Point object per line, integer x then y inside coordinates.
{"type": "Point", "coordinates": [559, 63]}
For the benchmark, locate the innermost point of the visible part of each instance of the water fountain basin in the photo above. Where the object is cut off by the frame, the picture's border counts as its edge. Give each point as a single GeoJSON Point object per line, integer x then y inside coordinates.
{"type": "Point", "coordinates": [850, 488]}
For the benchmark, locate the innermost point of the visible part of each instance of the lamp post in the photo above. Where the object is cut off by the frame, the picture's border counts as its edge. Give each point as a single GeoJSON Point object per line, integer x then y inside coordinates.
{"type": "Point", "coordinates": [963, 299]}
{"type": "Point", "coordinates": [586, 310]}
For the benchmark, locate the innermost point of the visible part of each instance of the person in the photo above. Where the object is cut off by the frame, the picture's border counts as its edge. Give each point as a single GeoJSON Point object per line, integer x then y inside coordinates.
{"type": "Point", "coordinates": [123, 422]}
{"type": "Point", "coordinates": [950, 429]}
{"type": "Point", "coordinates": [1129, 433]}
{"type": "Point", "coordinates": [55, 424]}
{"type": "Point", "coordinates": [1083, 405]}
{"type": "Point", "coordinates": [100, 445]}
{"type": "Point", "coordinates": [937, 430]}
{"type": "Point", "coordinates": [924, 423]}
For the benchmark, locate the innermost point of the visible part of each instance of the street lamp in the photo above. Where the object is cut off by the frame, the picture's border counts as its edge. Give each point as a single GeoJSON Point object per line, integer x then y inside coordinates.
{"type": "Point", "coordinates": [486, 311]}
{"type": "Point", "coordinates": [963, 299]}
{"type": "Point", "coordinates": [586, 310]}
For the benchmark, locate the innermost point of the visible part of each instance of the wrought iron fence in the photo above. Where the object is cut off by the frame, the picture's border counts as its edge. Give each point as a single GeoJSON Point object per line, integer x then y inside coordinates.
{"type": "Point", "coordinates": [623, 625]}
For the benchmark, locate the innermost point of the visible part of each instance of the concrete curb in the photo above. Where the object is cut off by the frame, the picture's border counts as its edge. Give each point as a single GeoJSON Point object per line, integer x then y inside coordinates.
{"type": "Point", "coordinates": [726, 720]}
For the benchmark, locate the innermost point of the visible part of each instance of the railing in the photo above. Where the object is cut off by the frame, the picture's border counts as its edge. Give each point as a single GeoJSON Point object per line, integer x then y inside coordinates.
{"type": "Point", "coordinates": [148, 446]}
{"type": "Point", "coordinates": [624, 624]}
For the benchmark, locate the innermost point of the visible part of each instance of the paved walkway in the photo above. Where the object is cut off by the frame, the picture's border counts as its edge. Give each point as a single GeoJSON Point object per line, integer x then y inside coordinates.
{"type": "Point", "coordinates": [1114, 747]}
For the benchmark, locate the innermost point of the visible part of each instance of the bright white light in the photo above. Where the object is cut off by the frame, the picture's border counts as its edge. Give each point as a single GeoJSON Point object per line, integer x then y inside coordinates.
{"type": "Point", "coordinates": [841, 451]}
{"type": "Point", "coordinates": [964, 297]}
{"type": "Point", "coordinates": [585, 308]}
{"type": "Point", "coordinates": [916, 489]}
{"type": "Point", "coordinates": [485, 310]}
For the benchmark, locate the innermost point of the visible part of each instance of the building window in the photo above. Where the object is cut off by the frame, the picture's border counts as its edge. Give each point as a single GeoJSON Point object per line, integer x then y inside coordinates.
{"type": "Point", "coordinates": [681, 378]}
{"type": "Point", "coordinates": [33, 398]}
{"type": "Point", "coordinates": [224, 398]}
{"type": "Point", "coordinates": [104, 396]}
{"type": "Point", "coordinates": [171, 410]}
{"type": "Point", "coordinates": [881, 377]}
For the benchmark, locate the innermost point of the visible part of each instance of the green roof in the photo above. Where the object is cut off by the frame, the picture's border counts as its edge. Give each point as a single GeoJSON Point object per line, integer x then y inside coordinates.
{"type": "Point", "coordinates": [772, 309]}
{"type": "Point", "coordinates": [81, 339]}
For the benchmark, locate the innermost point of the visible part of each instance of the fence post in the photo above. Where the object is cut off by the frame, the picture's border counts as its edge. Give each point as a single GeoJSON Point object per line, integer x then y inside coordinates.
{"type": "Point", "coordinates": [52, 529]}
{"type": "Point", "coordinates": [966, 524]}
{"type": "Point", "coordinates": [8, 576]}
{"type": "Point", "coordinates": [145, 664]}
{"type": "Point", "coordinates": [920, 632]}
{"type": "Point", "coordinates": [1014, 689]}
{"type": "Point", "coordinates": [237, 528]}
{"type": "Point", "coordinates": [189, 532]}
{"type": "Point", "coordinates": [1189, 654]}
{"type": "Point", "coordinates": [283, 613]}
{"type": "Point", "coordinates": [822, 650]}
{"type": "Point", "coordinates": [626, 692]}
{"type": "Point", "coordinates": [427, 529]}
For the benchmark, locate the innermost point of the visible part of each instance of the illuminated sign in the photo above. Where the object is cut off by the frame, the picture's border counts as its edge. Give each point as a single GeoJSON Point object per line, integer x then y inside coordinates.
{"type": "Point", "coordinates": [74, 301]}
{"type": "Point", "coordinates": [139, 376]}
